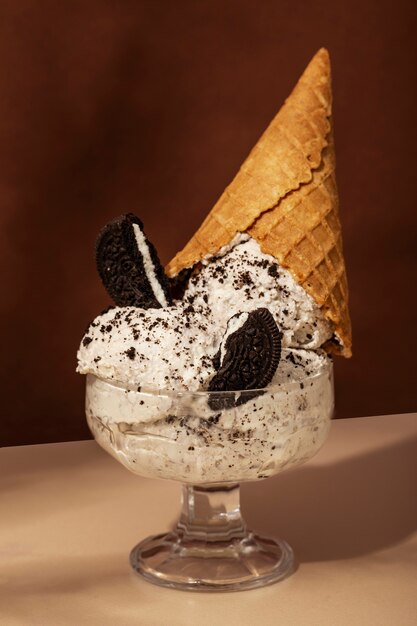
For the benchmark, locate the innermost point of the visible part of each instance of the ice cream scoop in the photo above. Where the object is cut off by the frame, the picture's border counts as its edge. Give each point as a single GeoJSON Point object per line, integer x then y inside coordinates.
{"type": "Point", "coordinates": [175, 347]}
{"type": "Point", "coordinates": [241, 277]}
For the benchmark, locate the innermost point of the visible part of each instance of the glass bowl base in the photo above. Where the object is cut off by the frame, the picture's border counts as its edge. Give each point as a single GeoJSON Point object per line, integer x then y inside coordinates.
{"type": "Point", "coordinates": [249, 562]}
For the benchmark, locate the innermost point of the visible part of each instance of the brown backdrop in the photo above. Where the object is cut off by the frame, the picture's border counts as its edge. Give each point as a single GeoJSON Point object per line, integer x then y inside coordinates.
{"type": "Point", "coordinates": [107, 107]}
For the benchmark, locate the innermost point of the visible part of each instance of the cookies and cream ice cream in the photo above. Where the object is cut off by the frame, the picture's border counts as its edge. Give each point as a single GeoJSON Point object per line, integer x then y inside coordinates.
{"type": "Point", "coordinates": [139, 359]}
{"type": "Point", "coordinates": [218, 370]}
{"type": "Point", "coordinates": [181, 438]}
{"type": "Point", "coordinates": [173, 348]}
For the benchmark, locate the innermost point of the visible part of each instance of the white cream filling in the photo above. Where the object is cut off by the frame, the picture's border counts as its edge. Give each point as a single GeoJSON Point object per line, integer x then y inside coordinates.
{"type": "Point", "coordinates": [148, 266]}
{"type": "Point", "coordinates": [235, 322]}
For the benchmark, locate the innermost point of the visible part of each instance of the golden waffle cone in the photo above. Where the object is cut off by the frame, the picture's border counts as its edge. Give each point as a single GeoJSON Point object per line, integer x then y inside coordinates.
{"type": "Point", "coordinates": [285, 197]}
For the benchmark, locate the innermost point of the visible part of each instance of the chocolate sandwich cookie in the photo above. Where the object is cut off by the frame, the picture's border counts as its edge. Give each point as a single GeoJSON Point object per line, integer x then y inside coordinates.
{"type": "Point", "coordinates": [249, 356]}
{"type": "Point", "coordinates": [129, 266]}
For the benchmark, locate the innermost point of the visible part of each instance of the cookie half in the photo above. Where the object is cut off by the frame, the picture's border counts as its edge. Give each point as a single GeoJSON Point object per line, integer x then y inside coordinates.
{"type": "Point", "coordinates": [129, 266]}
{"type": "Point", "coordinates": [249, 355]}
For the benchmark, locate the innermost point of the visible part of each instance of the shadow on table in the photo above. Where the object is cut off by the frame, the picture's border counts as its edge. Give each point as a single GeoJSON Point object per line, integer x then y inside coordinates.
{"type": "Point", "coordinates": [101, 590]}
{"type": "Point", "coordinates": [78, 590]}
{"type": "Point", "coordinates": [340, 510]}
{"type": "Point", "coordinates": [23, 466]}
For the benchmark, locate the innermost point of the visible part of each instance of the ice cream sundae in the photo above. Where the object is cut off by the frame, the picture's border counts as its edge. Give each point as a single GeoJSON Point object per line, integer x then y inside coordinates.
{"type": "Point", "coordinates": [217, 369]}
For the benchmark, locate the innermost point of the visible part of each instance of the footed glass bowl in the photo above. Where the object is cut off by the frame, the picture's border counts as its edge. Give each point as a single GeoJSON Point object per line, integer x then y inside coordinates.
{"type": "Point", "coordinates": [211, 442]}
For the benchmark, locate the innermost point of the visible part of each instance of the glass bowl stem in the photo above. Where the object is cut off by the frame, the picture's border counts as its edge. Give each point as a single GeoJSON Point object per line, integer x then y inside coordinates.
{"type": "Point", "coordinates": [211, 549]}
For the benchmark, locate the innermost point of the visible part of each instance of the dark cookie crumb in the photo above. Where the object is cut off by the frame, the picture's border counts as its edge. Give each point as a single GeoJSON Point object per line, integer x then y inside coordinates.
{"type": "Point", "coordinates": [290, 357]}
{"type": "Point", "coordinates": [131, 353]}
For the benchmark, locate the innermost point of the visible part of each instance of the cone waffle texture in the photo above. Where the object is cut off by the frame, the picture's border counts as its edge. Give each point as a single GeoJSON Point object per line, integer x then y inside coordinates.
{"type": "Point", "coordinates": [285, 197]}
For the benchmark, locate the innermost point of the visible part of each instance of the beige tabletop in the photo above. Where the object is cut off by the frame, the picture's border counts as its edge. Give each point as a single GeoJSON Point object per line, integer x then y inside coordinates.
{"type": "Point", "coordinates": [70, 514]}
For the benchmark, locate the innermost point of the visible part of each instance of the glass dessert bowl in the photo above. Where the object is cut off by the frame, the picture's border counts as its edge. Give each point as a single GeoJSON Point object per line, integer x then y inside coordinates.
{"type": "Point", "coordinates": [211, 442]}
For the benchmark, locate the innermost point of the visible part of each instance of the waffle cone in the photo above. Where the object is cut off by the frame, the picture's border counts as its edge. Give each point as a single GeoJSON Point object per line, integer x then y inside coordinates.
{"type": "Point", "coordinates": [285, 197]}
